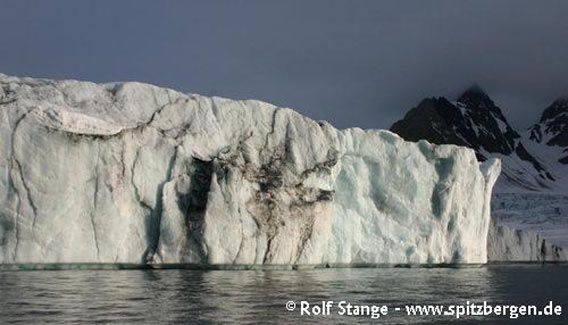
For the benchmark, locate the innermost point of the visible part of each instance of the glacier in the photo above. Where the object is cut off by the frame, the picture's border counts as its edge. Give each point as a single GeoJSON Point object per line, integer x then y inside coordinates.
{"type": "Point", "coordinates": [134, 173]}
{"type": "Point", "coordinates": [505, 244]}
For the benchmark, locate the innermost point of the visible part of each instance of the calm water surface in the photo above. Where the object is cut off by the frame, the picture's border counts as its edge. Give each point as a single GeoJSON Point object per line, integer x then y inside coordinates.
{"type": "Point", "coordinates": [181, 296]}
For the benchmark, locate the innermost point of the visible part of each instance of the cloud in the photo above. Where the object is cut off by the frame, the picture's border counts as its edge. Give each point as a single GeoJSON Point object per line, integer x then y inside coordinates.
{"type": "Point", "coordinates": [354, 63]}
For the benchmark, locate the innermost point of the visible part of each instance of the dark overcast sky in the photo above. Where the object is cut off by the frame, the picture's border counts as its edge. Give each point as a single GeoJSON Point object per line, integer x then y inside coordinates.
{"type": "Point", "coordinates": [353, 63]}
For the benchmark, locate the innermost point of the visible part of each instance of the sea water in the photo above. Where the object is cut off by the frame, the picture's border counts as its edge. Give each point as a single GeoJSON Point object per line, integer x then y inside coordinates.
{"type": "Point", "coordinates": [267, 296]}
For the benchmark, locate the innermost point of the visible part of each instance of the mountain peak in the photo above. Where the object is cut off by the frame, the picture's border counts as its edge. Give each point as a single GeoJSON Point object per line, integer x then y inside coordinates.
{"type": "Point", "coordinates": [558, 107]}
{"type": "Point", "coordinates": [474, 94]}
{"type": "Point", "coordinates": [561, 103]}
{"type": "Point", "coordinates": [475, 88]}
{"type": "Point", "coordinates": [475, 121]}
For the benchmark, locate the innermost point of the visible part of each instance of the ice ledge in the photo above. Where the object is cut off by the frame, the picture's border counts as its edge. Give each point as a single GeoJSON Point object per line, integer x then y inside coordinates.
{"type": "Point", "coordinates": [133, 173]}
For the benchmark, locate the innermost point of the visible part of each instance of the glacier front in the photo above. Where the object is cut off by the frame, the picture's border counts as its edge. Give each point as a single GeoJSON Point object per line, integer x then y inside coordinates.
{"type": "Point", "coordinates": [134, 173]}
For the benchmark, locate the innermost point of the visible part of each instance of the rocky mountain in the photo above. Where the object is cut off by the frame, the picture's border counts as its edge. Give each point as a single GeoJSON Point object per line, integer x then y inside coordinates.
{"type": "Point", "coordinates": [475, 121]}
{"type": "Point", "coordinates": [552, 129]}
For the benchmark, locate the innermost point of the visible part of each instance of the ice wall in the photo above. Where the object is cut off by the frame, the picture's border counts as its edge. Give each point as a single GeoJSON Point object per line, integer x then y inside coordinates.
{"type": "Point", "coordinates": [505, 244]}
{"type": "Point", "coordinates": [133, 173]}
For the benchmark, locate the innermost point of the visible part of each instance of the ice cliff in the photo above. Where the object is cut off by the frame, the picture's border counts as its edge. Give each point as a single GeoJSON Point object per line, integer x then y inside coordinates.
{"type": "Point", "coordinates": [133, 173]}
{"type": "Point", "coordinates": [505, 244]}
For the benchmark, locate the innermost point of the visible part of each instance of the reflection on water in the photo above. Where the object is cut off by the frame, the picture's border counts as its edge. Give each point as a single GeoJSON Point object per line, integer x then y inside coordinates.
{"type": "Point", "coordinates": [152, 296]}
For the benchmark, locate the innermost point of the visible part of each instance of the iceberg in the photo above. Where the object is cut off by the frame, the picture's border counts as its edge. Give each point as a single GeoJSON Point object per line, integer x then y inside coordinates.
{"type": "Point", "coordinates": [134, 173]}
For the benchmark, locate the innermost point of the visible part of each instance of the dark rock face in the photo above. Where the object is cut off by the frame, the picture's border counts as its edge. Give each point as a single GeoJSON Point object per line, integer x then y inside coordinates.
{"type": "Point", "coordinates": [432, 120]}
{"type": "Point", "coordinates": [552, 128]}
{"type": "Point", "coordinates": [474, 121]}
{"type": "Point", "coordinates": [495, 134]}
